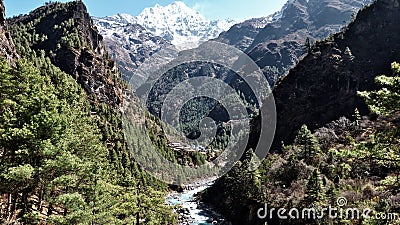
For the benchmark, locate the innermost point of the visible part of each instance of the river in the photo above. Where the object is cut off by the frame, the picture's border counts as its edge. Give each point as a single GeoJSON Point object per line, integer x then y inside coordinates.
{"type": "Point", "coordinates": [194, 212]}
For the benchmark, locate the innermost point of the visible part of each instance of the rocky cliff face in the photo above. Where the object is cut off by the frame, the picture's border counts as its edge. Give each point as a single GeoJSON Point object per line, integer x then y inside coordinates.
{"type": "Point", "coordinates": [279, 45]}
{"type": "Point", "coordinates": [69, 38]}
{"type": "Point", "coordinates": [7, 48]}
{"type": "Point", "coordinates": [280, 41]}
{"type": "Point", "coordinates": [316, 18]}
{"type": "Point", "coordinates": [324, 85]}
{"type": "Point", "coordinates": [131, 40]}
{"type": "Point", "coordinates": [242, 35]}
{"type": "Point", "coordinates": [129, 45]}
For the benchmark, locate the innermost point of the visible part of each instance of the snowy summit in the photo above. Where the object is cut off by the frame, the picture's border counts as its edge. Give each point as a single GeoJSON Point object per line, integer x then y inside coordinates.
{"type": "Point", "coordinates": [176, 23]}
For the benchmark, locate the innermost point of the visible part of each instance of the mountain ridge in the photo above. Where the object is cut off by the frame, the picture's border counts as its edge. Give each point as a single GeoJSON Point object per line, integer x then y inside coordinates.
{"type": "Point", "coordinates": [278, 46]}
{"type": "Point", "coordinates": [346, 66]}
{"type": "Point", "coordinates": [82, 54]}
{"type": "Point", "coordinates": [131, 40]}
{"type": "Point", "coordinates": [176, 23]}
{"type": "Point", "coordinates": [129, 45]}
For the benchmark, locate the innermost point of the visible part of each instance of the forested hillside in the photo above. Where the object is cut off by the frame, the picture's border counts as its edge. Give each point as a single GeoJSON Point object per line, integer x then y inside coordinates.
{"type": "Point", "coordinates": [353, 159]}
{"type": "Point", "coordinates": [324, 147]}
{"type": "Point", "coordinates": [275, 43]}
{"type": "Point", "coordinates": [65, 158]}
{"type": "Point", "coordinates": [63, 155]}
{"type": "Point", "coordinates": [324, 85]}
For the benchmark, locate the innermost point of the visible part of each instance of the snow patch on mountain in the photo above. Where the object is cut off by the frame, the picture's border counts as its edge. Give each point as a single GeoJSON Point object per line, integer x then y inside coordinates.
{"type": "Point", "coordinates": [129, 44]}
{"type": "Point", "coordinates": [176, 23]}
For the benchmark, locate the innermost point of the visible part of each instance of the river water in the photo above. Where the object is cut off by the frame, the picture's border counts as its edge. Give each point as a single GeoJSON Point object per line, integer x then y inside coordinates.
{"type": "Point", "coordinates": [194, 212]}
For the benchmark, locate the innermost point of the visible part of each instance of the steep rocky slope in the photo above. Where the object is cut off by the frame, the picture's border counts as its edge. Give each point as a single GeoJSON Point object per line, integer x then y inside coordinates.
{"type": "Point", "coordinates": [133, 39]}
{"type": "Point", "coordinates": [242, 35]}
{"type": "Point", "coordinates": [65, 135]}
{"type": "Point", "coordinates": [65, 33]}
{"type": "Point", "coordinates": [277, 46]}
{"type": "Point", "coordinates": [129, 45]}
{"type": "Point", "coordinates": [74, 45]}
{"type": "Point", "coordinates": [323, 86]}
{"type": "Point", "coordinates": [7, 48]}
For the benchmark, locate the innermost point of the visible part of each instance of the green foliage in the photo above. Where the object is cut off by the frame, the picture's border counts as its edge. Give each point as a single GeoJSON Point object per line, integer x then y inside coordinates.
{"type": "Point", "coordinates": [196, 109]}
{"type": "Point", "coordinates": [17, 177]}
{"type": "Point", "coordinates": [56, 149]}
{"type": "Point", "coordinates": [51, 148]}
{"type": "Point", "coordinates": [46, 141]}
{"type": "Point", "coordinates": [359, 161]}
{"type": "Point", "coordinates": [385, 101]}
{"type": "Point", "coordinates": [382, 150]}
{"type": "Point", "coordinates": [83, 171]}
{"type": "Point", "coordinates": [315, 192]}
{"type": "Point", "coordinates": [307, 145]}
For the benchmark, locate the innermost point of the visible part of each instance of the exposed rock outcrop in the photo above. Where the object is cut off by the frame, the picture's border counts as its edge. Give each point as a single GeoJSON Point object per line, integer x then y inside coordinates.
{"type": "Point", "coordinates": [129, 45]}
{"type": "Point", "coordinates": [74, 45]}
{"type": "Point", "coordinates": [7, 48]}
{"type": "Point", "coordinates": [281, 41]}
{"type": "Point", "coordinates": [242, 35]}
{"type": "Point", "coordinates": [324, 85]}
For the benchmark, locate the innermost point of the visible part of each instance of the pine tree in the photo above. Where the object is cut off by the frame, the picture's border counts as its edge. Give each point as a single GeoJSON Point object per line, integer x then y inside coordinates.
{"type": "Point", "coordinates": [383, 149]}
{"type": "Point", "coordinates": [307, 145]}
{"type": "Point", "coordinates": [250, 164]}
{"type": "Point", "coordinates": [315, 192]}
{"type": "Point", "coordinates": [53, 154]}
{"type": "Point", "coordinates": [51, 150]}
{"type": "Point", "coordinates": [385, 101]}
{"type": "Point", "coordinates": [332, 194]}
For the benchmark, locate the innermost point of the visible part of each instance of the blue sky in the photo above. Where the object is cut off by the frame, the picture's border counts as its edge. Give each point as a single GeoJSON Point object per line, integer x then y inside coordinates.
{"type": "Point", "coordinates": [211, 9]}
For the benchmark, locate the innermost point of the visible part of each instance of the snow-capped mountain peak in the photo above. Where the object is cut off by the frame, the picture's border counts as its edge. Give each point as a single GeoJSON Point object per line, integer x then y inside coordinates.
{"type": "Point", "coordinates": [133, 39]}
{"type": "Point", "coordinates": [176, 23]}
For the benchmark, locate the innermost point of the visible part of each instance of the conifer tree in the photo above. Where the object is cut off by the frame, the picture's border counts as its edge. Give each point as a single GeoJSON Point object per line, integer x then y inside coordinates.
{"type": "Point", "coordinates": [385, 101]}
{"type": "Point", "coordinates": [315, 191]}
{"type": "Point", "coordinates": [307, 144]}
{"type": "Point", "coordinates": [383, 148]}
